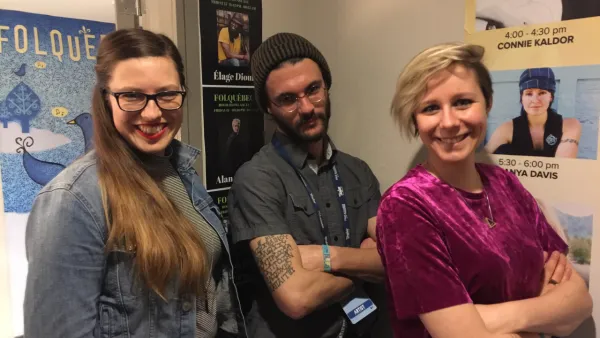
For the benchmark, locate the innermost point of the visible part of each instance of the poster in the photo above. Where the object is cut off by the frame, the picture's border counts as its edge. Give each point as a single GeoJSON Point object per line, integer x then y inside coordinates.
{"type": "Point", "coordinates": [47, 71]}
{"type": "Point", "coordinates": [230, 31]}
{"type": "Point", "coordinates": [543, 127]}
{"type": "Point", "coordinates": [233, 132]}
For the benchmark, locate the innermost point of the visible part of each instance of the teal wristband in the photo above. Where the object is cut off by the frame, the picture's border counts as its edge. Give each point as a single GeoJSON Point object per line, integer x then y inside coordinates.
{"type": "Point", "coordinates": [542, 335]}
{"type": "Point", "coordinates": [326, 258]}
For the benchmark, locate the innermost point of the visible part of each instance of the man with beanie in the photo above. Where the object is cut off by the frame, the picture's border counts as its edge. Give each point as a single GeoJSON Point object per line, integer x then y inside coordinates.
{"type": "Point", "coordinates": [304, 209]}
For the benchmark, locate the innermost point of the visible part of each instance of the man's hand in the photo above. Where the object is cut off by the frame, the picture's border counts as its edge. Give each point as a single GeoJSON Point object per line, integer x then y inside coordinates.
{"type": "Point", "coordinates": [312, 257]}
{"type": "Point", "coordinates": [556, 270]}
{"type": "Point", "coordinates": [368, 243]}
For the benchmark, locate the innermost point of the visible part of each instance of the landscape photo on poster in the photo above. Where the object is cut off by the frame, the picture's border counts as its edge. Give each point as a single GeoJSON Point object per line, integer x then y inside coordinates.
{"type": "Point", "coordinates": [546, 112]}
{"type": "Point", "coordinates": [47, 71]}
{"type": "Point", "coordinates": [574, 224]}
{"type": "Point", "coordinates": [498, 14]}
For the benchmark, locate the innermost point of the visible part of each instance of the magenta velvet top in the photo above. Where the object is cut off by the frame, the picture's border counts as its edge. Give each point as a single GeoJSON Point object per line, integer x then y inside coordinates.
{"type": "Point", "coordinates": [438, 252]}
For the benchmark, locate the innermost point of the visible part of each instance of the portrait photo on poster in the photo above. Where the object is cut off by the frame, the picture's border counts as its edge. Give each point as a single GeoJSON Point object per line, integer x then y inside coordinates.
{"type": "Point", "coordinates": [574, 224]}
{"type": "Point", "coordinates": [498, 14]}
{"type": "Point", "coordinates": [233, 43]}
{"type": "Point", "coordinates": [233, 132]}
{"type": "Point", "coordinates": [545, 112]}
{"type": "Point", "coordinates": [230, 31]}
{"type": "Point", "coordinates": [236, 149]}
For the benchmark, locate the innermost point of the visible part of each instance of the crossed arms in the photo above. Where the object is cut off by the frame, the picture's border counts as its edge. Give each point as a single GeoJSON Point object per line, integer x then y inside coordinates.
{"type": "Point", "coordinates": [295, 273]}
{"type": "Point", "coordinates": [295, 276]}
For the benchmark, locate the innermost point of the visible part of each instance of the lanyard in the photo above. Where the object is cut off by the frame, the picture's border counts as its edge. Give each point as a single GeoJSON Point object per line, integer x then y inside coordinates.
{"type": "Point", "coordinates": [341, 195]}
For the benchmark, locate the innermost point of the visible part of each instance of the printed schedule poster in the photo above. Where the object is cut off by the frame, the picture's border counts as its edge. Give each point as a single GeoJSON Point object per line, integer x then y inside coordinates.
{"type": "Point", "coordinates": [230, 31]}
{"type": "Point", "coordinates": [544, 59]}
{"type": "Point", "coordinates": [47, 71]}
{"type": "Point", "coordinates": [535, 33]}
{"type": "Point", "coordinates": [233, 132]}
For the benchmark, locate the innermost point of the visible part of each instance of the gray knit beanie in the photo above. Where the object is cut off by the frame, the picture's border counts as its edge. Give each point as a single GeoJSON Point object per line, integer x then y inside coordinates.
{"type": "Point", "coordinates": [277, 49]}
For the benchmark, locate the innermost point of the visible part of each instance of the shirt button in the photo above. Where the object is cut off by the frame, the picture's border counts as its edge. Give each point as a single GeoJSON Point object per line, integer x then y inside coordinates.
{"type": "Point", "coordinates": [328, 205]}
{"type": "Point", "coordinates": [335, 238]}
{"type": "Point", "coordinates": [187, 306]}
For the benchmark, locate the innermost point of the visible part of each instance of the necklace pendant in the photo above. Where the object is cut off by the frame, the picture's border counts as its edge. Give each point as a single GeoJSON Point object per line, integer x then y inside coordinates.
{"type": "Point", "coordinates": [491, 224]}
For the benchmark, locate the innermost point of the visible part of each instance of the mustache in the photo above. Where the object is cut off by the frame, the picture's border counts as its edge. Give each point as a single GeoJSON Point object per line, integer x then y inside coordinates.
{"type": "Point", "coordinates": [306, 118]}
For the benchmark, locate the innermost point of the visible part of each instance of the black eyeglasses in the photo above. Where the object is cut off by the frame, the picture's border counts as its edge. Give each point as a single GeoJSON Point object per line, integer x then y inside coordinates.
{"type": "Point", "coordinates": [136, 101]}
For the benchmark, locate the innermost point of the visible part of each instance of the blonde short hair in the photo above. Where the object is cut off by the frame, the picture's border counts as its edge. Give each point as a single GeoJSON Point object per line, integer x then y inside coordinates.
{"type": "Point", "coordinates": [412, 82]}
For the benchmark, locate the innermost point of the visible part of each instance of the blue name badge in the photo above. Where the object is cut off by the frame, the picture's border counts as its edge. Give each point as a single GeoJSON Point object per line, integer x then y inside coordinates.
{"type": "Point", "coordinates": [358, 308]}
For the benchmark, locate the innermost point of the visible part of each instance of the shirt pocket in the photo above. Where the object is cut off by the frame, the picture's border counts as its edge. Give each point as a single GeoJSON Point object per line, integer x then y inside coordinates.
{"type": "Point", "coordinates": [302, 220]}
{"type": "Point", "coordinates": [357, 199]}
{"type": "Point", "coordinates": [113, 321]}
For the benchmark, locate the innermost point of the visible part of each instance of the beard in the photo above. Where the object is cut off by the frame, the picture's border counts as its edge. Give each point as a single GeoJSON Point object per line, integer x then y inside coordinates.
{"type": "Point", "coordinates": [294, 130]}
{"type": "Point", "coordinates": [234, 33]}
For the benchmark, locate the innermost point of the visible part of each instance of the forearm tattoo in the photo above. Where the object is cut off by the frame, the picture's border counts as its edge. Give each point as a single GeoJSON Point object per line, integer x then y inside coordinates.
{"type": "Point", "coordinates": [274, 257]}
{"type": "Point", "coordinates": [570, 140]}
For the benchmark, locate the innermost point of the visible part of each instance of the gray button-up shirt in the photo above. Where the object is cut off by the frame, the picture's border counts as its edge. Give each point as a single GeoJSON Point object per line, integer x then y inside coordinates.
{"type": "Point", "coordinates": [268, 198]}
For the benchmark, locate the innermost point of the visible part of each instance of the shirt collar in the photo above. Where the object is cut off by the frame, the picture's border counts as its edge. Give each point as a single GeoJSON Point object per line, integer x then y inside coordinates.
{"type": "Point", "coordinates": [298, 155]}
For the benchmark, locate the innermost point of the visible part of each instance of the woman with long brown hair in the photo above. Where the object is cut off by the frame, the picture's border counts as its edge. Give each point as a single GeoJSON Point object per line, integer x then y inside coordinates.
{"type": "Point", "coordinates": [126, 242]}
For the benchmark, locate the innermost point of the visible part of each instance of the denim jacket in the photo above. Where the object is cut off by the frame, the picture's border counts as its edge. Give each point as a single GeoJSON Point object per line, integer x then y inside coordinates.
{"type": "Point", "coordinates": [75, 289]}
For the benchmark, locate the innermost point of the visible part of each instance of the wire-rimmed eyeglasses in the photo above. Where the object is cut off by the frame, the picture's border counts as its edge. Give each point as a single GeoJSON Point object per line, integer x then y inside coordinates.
{"type": "Point", "coordinates": [290, 102]}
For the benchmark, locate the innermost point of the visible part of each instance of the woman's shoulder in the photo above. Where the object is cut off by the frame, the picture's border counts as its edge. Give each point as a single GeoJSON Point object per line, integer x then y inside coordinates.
{"type": "Point", "coordinates": [74, 194]}
{"type": "Point", "coordinates": [411, 187]}
{"type": "Point", "coordinates": [80, 180]}
{"type": "Point", "coordinates": [506, 127]}
{"type": "Point", "coordinates": [571, 123]}
{"type": "Point", "coordinates": [498, 177]}
{"type": "Point", "coordinates": [81, 172]}
{"type": "Point", "coordinates": [493, 171]}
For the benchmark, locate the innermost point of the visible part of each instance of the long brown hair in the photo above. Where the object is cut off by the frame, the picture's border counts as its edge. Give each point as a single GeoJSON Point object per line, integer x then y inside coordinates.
{"type": "Point", "coordinates": [140, 216]}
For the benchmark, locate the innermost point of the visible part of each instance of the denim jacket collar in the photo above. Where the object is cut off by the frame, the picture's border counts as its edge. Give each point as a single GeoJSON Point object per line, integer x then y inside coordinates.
{"type": "Point", "coordinates": [184, 155]}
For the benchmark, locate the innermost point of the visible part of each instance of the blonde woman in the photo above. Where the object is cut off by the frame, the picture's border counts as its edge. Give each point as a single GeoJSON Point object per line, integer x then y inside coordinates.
{"type": "Point", "coordinates": [126, 242]}
{"type": "Point", "coordinates": [463, 243]}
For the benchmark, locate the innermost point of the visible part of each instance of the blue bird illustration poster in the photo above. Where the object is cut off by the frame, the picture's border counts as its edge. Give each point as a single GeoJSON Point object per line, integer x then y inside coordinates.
{"type": "Point", "coordinates": [47, 71]}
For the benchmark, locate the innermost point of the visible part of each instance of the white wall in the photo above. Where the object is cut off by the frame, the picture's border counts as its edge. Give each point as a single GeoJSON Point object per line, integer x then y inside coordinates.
{"type": "Point", "coordinates": [97, 10]}
{"type": "Point", "coordinates": [375, 39]}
